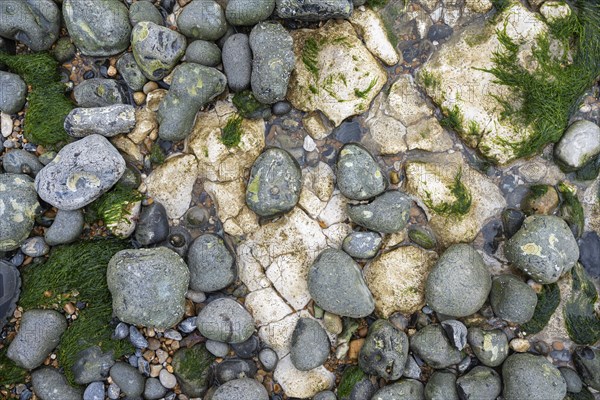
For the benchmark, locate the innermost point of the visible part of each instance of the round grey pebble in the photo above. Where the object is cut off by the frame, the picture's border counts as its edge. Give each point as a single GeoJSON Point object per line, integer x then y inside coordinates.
{"type": "Point", "coordinates": [203, 52]}
{"type": "Point", "coordinates": [144, 11]}
{"type": "Point", "coordinates": [35, 247]}
{"type": "Point", "coordinates": [388, 213]}
{"type": "Point", "coordinates": [326, 395]}
{"type": "Point", "coordinates": [113, 391]}
{"type": "Point", "coordinates": [490, 347]}
{"type": "Point", "coordinates": [408, 389]}
{"type": "Point", "coordinates": [225, 320]}
{"type": "Point", "coordinates": [98, 92]}
{"type": "Point", "coordinates": [49, 384]}
{"type": "Point", "coordinates": [121, 331]}
{"type": "Point", "coordinates": [153, 390]}
{"type": "Point", "coordinates": [136, 338]}
{"type": "Point", "coordinates": [432, 345]}
{"type": "Point", "coordinates": [481, 383]}
{"type": "Point", "coordinates": [131, 72]}
{"type": "Point", "coordinates": [218, 349]}
{"type": "Point", "coordinates": [524, 374]}
{"type": "Point", "coordinates": [94, 391]}
{"type": "Point", "coordinates": [129, 380]}
{"type": "Point", "coordinates": [241, 389]}
{"type": "Point", "coordinates": [212, 266]}
{"type": "Point", "coordinates": [268, 358]}
{"type": "Point", "coordinates": [20, 161]}
{"type": "Point", "coordinates": [153, 225]}
{"type": "Point", "coordinates": [281, 108]}
{"type": "Point", "coordinates": [384, 352]}
{"type": "Point", "coordinates": [107, 121]}
{"type": "Point", "coordinates": [202, 19]}
{"type": "Point", "coordinates": [441, 386]}
{"type": "Point", "coordinates": [275, 183]}
{"type": "Point", "coordinates": [362, 245]}
{"type": "Point", "coordinates": [512, 299]}
{"type": "Point", "coordinates": [173, 335]}
{"type": "Point", "coordinates": [241, 12]}
{"type": "Point", "coordinates": [237, 62]}
{"type": "Point", "coordinates": [66, 228]}
{"type": "Point", "coordinates": [359, 177]}
{"type": "Point", "coordinates": [156, 49]}
{"type": "Point", "coordinates": [21, 206]}
{"type": "Point", "coordinates": [310, 345]}
{"type": "Point", "coordinates": [574, 384]}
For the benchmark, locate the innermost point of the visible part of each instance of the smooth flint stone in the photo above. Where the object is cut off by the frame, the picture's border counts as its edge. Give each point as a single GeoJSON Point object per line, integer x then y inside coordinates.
{"type": "Point", "coordinates": [388, 213]}
{"type": "Point", "coordinates": [432, 345]}
{"type": "Point", "coordinates": [273, 62]}
{"type": "Point", "coordinates": [246, 13]}
{"type": "Point", "coordinates": [384, 352]}
{"type": "Point", "coordinates": [459, 283]}
{"type": "Point", "coordinates": [408, 389]}
{"type": "Point", "coordinates": [153, 225]}
{"type": "Point", "coordinates": [225, 320]}
{"type": "Point", "coordinates": [314, 10]}
{"type": "Point", "coordinates": [336, 284]}
{"type": "Point", "coordinates": [106, 121]}
{"type": "Point", "coordinates": [33, 22]}
{"type": "Point", "coordinates": [98, 92]}
{"type": "Point", "coordinates": [544, 248]}
{"type": "Point", "coordinates": [275, 183]}
{"type": "Point", "coordinates": [80, 173]}
{"type": "Point", "coordinates": [217, 349]}
{"type": "Point", "coordinates": [193, 86]}
{"type": "Point", "coordinates": [131, 72]}
{"type": "Point", "coordinates": [144, 11]}
{"type": "Point", "coordinates": [490, 347]}
{"type": "Point", "coordinates": [234, 368]}
{"type": "Point", "coordinates": [512, 299]}
{"type": "Point", "coordinates": [38, 335]}
{"type": "Point", "coordinates": [202, 19]}
{"type": "Point", "coordinates": [362, 244]}
{"type": "Point", "coordinates": [241, 389]}
{"type": "Point", "coordinates": [20, 161]}
{"type": "Point", "coordinates": [98, 28]}
{"type": "Point", "coordinates": [237, 62]}
{"type": "Point", "coordinates": [359, 177]}
{"type": "Point", "coordinates": [310, 345]}
{"type": "Point", "coordinates": [10, 288]}
{"type": "Point", "coordinates": [441, 386]}
{"type": "Point", "coordinates": [156, 49]}
{"type": "Point", "coordinates": [204, 53]}
{"type": "Point", "coordinates": [49, 384]}
{"type": "Point", "coordinates": [66, 228]}
{"type": "Point", "coordinates": [481, 383]}
{"type": "Point", "coordinates": [192, 367]}
{"type": "Point", "coordinates": [92, 365]}
{"type": "Point", "coordinates": [578, 145]}
{"type": "Point", "coordinates": [148, 286]}
{"type": "Point", "coordinates": [13, 92]}
{"type": "Point", "coordinates": [574, 384]}
{"type": "Point", "coordinates": [456, 332]}
{"type": "Point", "coordinates": [526, 376]}
{"type": "Point", "coordinates": [128, 379]}
{"type": "Point", "coordinates": [211, 264]}
{"type": "Point", "coordinates": [19, 207]}
{"type": "Point", "coordinates": [587, 362]}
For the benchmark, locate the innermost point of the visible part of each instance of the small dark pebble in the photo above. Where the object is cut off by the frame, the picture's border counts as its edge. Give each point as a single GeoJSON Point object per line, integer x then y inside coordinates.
{"type": "Point", "coordinates": [439, 32]}
{"type": "Point", "coordinates": [348, 132]}
{"type": "Point", "coordinates": [589, 253]}
{"type": "Point", "coordinates": [89, 74]}
{"type": "Point", "coordinates": [247, 349]}
{"type": "Point", "coordinates": [136, 338]}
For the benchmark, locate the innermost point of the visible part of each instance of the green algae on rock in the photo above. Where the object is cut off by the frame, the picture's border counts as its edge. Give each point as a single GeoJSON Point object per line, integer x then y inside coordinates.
{"type": "Point", "coordinates": [352, 375]}
{"type": "Point", "coordinates": [583, 324]}
{"type": "Point", "coordinates": [192, 368]}
{"type": "Point", "coordinates": [571, 209]}
{"type": "Point", "coordinates": [112, 206]}
{"type": "Point", "coordinates": [231, 134]}
{"type": "Point", "coordinates": [548, 301]}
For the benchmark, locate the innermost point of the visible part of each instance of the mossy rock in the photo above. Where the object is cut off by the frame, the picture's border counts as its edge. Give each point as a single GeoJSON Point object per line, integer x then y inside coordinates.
{"type": "Point", "coordinates": [192, 367]}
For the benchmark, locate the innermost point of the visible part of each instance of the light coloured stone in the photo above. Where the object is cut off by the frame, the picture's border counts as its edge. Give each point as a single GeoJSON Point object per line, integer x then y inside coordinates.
{"type": "Point", "coordinates": [318, 183]}
{"type": "Point", "coordinates": [370, 26]}
{"type": "Point", "coordinates": [302, 384]}
{"type": "Point", "coordinates": [309, 144]}
{"type": "Point", "coordinates": [343, 77]}
{"type": "Point", "coordinates": [315, 126]}
{"type": "Point", "coordinates": [145, 123]}
{"type": "Point", "coordinates": [555, 10]}
{"type": "Point", "coordinates": [266, 306]}
{"type": "Point", "coordinates": [229, 198]}
{"type": "Point", "coordinates": [154, 98]}
{"type": "Point", "coordinates": [288, 275]}
{"type": "Point", "coordinates": [579, 144]}
{"type": "Point", "coordinates": [6, 124]}
{"type": "Point", "coordinates": [126, 146]}
{"type": "Point", "coordinates": [172, 183]}
{"type": "Point", "coordinates": [479, 6]}
{"type": "Point", "coordinates": [397, 280]}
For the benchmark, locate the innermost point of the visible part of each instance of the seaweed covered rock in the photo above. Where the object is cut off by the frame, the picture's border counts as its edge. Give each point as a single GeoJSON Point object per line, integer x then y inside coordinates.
{"type": "Point", "coordinates": [148, 286]}
{"type": "Point", "coordinates": [100, 28]}
{"type": "Point", "coordinates": [203, 20]}
{"type": "Point", "coordinates": [156, 49]}
{"type": "Point", "coordinates": [13, 93]}
{"type": "Point", "coordinates": [80, 173]}
{"type": "Point", "coordinates": [384, 352]}
{"type": "Point", "coordinates": [193, 86]}
{"type": "Point", "coordinates": [544, 248]}
{"type": "Point", "coordinates": [17, 194]}
{"type": "Point", "coordinates": [529, 376]}
{"type": "Point", "coordinates": [34, 23]}
{"type": "Point", "coordinates": [314, 10]}
{"type": "Point", "coordinates": [107, 121]}
{"type": "Point", "coordinates": [192, 367]}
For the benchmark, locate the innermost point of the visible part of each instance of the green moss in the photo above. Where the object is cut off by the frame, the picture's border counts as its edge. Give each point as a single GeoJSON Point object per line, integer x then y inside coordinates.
{"type": "Point", "coordinates": [453, 119]}
{"type": "Point", "coordinates": [310, 55]}
{"type": "Point", "coordinates": [352, 375]}
{"type": "Point", "coordinates": [193, 365]}
{"type": "Point", "coordinates": [231, 134]}
{"type": "Point", "coordinates": [548, 300]}
{"type": "Point", "coordinates": [112, 206]}
{"type": "Point", "coordinates": [247, 105]}
{"type": "Point", "coordinates": [571, 209]}
{"type": "Point", "coordinates": [48, 105]}
{"type": "Point", "coordinates": [422, 237]}
{"type": "Point", "coordinates": [500, 5]}
{"type": "Point", "coordinates": [583, 325]}
{"type": "Point", "coordinates": [473, 128]}
{"type": "Point", "coordinates": [77, 272]}
{"type": "Point", "coordinates": [548, 95]}
{"type": "Point", "coordinates": [10, 373]}
{"type": "Point", "coordinates": [362, 94]}
{"type": "Point", "coordinates": [429, 79]}
{"type": "Point", "coordinates": [157, 156]}
{"type": "Point", "coordinates": [460, 206]}
{"type": "Point", "coordinates": [376, 3]}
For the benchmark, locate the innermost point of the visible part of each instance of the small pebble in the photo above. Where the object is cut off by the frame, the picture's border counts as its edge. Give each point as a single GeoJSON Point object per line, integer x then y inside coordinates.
{"type": "Point", "coordinates": [113, 391]}
{"type": "Point", "coordinates": [35, 247]}
{"type": "Point", "coordinates": [6, 124]}
{"type": "Point", "coordinates": [196, 297]}
{"type": "Point", "coordinates": [188, 325]}
{"type": "Point", "coordinates": [173, 334]}
{"type": "Point", "coordinates": [121, 331]}
{"type": "Point", "coordinates": [167, 379]}
{"type": "Point", "coordinates": [268, 358]}
{"type": "Point", "coordinates": [520, 345]}
{"type": "Point", "coordinates": [94, 391]}
{"type": "Point", "coordinates": [136, 338]}
{"type": "Point", "coordinates": [218, 349]}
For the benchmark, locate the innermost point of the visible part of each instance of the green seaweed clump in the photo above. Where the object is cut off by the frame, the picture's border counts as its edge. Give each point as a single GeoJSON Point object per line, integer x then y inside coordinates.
{"type": "Point", "coordinates": [231, 134]}
{"type": "Point", "coordinates": [452, 119]}
{"type": "Point", "coordinates": [157, 156]}
{"type": "Point", "coordinates": [112, 206]}
{"type": "Point", "coordinates": [193, 366]}
{"type": "Point", "coordinates": [10, 373]}
{"type": "Point", "coordinates": [548, 301]}
{"type": "Point", "coordinates": [583, 325]}
{"type": "Point", "coordinates": [77, 272]}
{"type": "Point", "coordinates": [570, 209]}
{"type": "Point", "coordinates": [549, 94]}
{"type": "Point", "coordinates": [362, 94]}
{"type": "Point", "coordinates": [352, 375]}
{"type": "Point", "coordinates": [48, 105]}
{"type": "Point", "coordinates": [500, 5]}
{"type": "Point", "coordinates": [310, 54]}
{"type": "Point", "coordinates": [460, 206]}
{"type": "Point", "coordinates": [248, 106]}
{"type": "Point", "coordinates": [376, 3]}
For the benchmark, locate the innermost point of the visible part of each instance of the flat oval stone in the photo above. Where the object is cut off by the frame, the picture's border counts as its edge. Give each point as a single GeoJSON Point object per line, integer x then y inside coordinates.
{"type": "Point", "coordinates": [203, 52]}
{"type": "Point", "coordinates": [107, 121]}
{"type": "Point", "coordinates": [310, 345]}
{"type": "Point", "coordinates": [275, 183]}
{"type": "Point", "coordinates": [80, 173]}
{"type": "Point", "coordinates": [225, 320]}
{"type": "Point", "coordinates": [98, 92]}
{"type": "Point", "coordinates": [359, 177]}
{"type": "Point", "coordinates": [211, 264]}
{"type": "Point", "coordinates": [362, 244]}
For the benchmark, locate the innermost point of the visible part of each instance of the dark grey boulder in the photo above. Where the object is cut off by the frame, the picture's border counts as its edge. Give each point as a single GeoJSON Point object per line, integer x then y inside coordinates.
{"type": "Point", "coordinates": [544, 248]}
{"type": "Point", "coordinates": [80, 173]}
{"type": "Point", "coordinates": [19, 161]}
{"type": "Point", "coordinates": [193, 86]}
{"type": "Point", "coordinates": [336, 284]}
{"type": "Point", "coordinates": [128, 379]}
{"type": "Point", "coordinates": [237, 62]}
{"type": "Point", "coordinates": [35, 23]}
{"type": "Point", "coordinates": [98, 28]}
{"type": "Point", "coordinates": [459, 283]}
{"type": "Point", "coordinates": [131, 72]}
{"type": "Point", "coordinates": [153, 226]}
{"type": "Point", "coordinates": [13, 93]}
{"type": "Point", "coordinates": [49, 384]}
{"type": "Point", "coordinates": [107, 121]}
{"type": "Point", "coordinates": [275, 183]}
{"type": "Point", "coordinates": [408, 389]}
{"type": "Point", "coordinates": [481, 383]}
{"type": "Point", "coordinates": [204, 53]}
{"type": "Point", "coordinates": [359, 177]}
{"type": "Point", "coordinates": [384, 352]}
{"type": "Point", "coordinates": [66, 228]}
{"type": "Point", "coordinates": [362, 244]}
{"type": "Point", "coordinates": [148, 286]}
{"type": "Point", "coordinates": [242, 12]}
{"type": "Point", "coordinates": [388, 213]}
{"type": "Point", "coordinates": [38, 335]}
{"type": "Point", "coordinates": [91, 365]}
{"type": "Point", "coordinates": [512, 299]}
{"type": "Point", "coordinates": [441, 386]}
{"type": "Point", "coordinates": [314, 10]}
{"type": "Point", "coordinates": [273, 62]}
{"type": "Point", "coordinates": [17, 193]}
{"type": "Point", "coordinates": [212, 266]}
{"type": "Point", "coordinates": [144, 11]}
{"type": "Point", "coordinates": [310, 345]}
{"type": "Point", "coordinates": [202, 19]}
{"type": "Point", "coordinates": [99, 92]}
{"type": "Point", "coordinates": [490, 347]}
{"type": "Point", "coordinates": [225, 320]}
{"type": "Point", "coordinates": [526, 376]}
{"type": "Point", "coordinates": [156, 49]}
{"type": "Point", "coordinates": [432, 345]}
